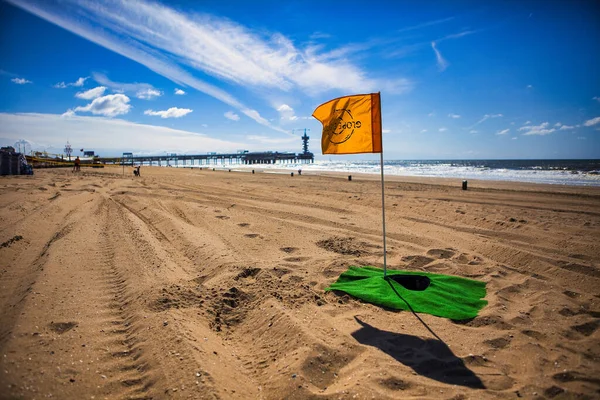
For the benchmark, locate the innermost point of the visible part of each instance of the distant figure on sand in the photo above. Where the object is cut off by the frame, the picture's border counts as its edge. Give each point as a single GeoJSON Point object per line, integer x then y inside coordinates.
{"type": "Point", "coordinates": [77, 167]}
{"type": "Point", "coordinates": [136, 170]}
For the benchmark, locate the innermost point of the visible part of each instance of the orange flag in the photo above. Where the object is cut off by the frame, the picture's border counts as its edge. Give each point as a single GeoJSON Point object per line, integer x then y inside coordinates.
{"type": "Point", "coordinates": [351, 124]}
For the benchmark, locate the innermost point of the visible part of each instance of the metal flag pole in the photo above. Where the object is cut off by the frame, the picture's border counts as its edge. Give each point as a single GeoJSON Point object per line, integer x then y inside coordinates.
{"type": "Point", "coordinates": [383, 201]}
{"type": "Point", "coordinates": [383, 217]}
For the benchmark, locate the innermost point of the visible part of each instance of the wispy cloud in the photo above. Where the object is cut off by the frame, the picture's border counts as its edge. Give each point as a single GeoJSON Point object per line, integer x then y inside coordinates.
{"type": "Point", "coordinates": [143, 91]}
{"type": "Point", "coordinates": [441, 62]}
{"type": "Point", "coordinates": [485, 118]}
{"type": "Point", "coordinates": [172, 112]}
{"type": "Point", "coordinates": [567, 127]}
{"type": "Point", "coordinates": [109, 106]}
{"type": "Point", "coordinates": [455, 116]}
{"type": "Point", "coordinates": [109, 135]}
{"type": "Point", "coordinates": [269, 140]}
{"type": "Point", "coordinates": [442, 129]}
{"type": "Point", "coordinates": [92, 93]}
{"type": "Point", "coordinates": [179, 92]}
{"type": "Point", "coordinates": [232, 116]}
{"type": "Point", "coordinates": [166, 40]}
{"type": "Point", "coordinates": [592, 122]}
{"type": "Point", "coordinates": [78, 83]}
{"type": "Point", "coordinates": [20, 81]}
{"type": "Point", "coordinates": [503, 132]}
{"type": "Point", "coordinates": [596, 98]}
{"type": "Point", "coordinates": [425, 24]}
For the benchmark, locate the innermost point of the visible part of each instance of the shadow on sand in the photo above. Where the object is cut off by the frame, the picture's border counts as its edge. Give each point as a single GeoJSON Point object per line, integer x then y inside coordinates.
{"type": "Point", "coordinates": [428, 357]}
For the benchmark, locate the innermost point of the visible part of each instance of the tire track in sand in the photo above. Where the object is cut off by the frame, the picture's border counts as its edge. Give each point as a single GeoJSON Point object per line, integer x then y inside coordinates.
{"type": "Point", "coordinates": [127, 375]}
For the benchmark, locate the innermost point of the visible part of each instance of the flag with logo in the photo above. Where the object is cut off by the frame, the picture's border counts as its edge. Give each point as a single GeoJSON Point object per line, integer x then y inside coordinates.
{"type": "Point", "coordinates": [351, 124]}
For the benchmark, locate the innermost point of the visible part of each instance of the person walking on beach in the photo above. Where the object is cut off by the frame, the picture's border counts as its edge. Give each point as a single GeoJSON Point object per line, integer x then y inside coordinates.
{"type": "Point", "coordinates": [77, 167]}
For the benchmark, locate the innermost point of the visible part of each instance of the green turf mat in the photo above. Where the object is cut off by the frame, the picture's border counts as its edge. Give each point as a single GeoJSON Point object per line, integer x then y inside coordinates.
{"type": "Point", "coordinates": [441, 295]}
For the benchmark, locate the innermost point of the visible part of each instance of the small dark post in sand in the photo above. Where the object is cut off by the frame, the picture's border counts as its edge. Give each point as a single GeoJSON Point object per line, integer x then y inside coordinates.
{"type": "Point", "coordinates": [349, 177]}
{"type": "Point", "coordinates": [292, 174]}
{"type": "Point", "coordinates": [464, 186]}
{"type": "Point", "coordinates": [299, 172]}
{"type": "Point", "coordinates": [252, 171]}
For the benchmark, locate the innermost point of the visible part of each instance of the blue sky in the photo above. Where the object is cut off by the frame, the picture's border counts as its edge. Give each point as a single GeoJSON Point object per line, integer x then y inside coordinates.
{"type": "Point", "coordinates": [463, 79]}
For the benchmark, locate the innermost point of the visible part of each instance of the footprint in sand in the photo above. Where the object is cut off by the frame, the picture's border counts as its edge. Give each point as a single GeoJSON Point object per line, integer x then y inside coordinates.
{"type": "Point", "coordinates": [295, 259]}
{"type": "Point", "coordinates": [244, 224]}
{"type": "Point", "coordinates": [441, 253]}
{"type": "Point", "coordinates": [288, 249]}
{"type": "Point", "coordinates": [252, 235]}
{"type": "Point", "coordinates": [417, 261]}
{"type": "Point", "coordinates": [222, 217]}
{"type": "Point", "coordinates": [62, 327]}
{"type": "Point", "coordinates": [498, 343]}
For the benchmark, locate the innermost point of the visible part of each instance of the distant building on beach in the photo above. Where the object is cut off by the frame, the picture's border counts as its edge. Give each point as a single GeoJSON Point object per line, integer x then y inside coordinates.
{"type": "Point", "coordinates": [13, 163]}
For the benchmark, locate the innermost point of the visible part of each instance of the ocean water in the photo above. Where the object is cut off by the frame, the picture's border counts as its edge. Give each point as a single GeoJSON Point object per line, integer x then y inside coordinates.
{"type": "Point", "coordinates": [557, 172]}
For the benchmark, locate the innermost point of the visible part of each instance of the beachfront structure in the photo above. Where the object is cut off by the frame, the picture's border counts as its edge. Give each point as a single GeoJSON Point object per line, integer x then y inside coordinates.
{"type": "Point", "coordinates": [241, 157]}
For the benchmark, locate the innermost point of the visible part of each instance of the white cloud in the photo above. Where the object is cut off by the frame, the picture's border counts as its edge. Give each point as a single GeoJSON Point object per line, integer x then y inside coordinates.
{"type": "Point", "coordinates": [503, 132]}
{"type": "Point", "coordinates": [268, 140]}
{"type": "Point", "coordinates": [78, 83]}
{"type": "Point", "coordinates": [423, 130]}
{"type": "Point", "coordinates": [542, 129]}
{"type": "Point", "coordinates": [232, 116]}
{"type": "Point", "coordinates": [592, 122]}
{"type": "Point", "coordinates": [529, 86]}
{"type": "Point", "coordinates": [596, 98]}
{"type": "Point", "coordinates": [172, 112]}
{"type": "Point", "coordinates": [148, 94]}
{"type": "Point", "coordinates": [179, 92]}
{"type": "Point", "coordinates": [92, 93]}
{"type": "Point", "coordinates": [567, 127]}
{"type": "Point", "coordinates": [442, 129]}
{"type": "Point", "coordinates": [170, 43]}
{"type": "Point", "coordinates": [514, 138]}
{"type": "Point", "coordinates": [473, 131]}
{"type": "Point", "coordinates": [386, 131]}
{"type": "Point", "coordinates": [527, 123]}
{"type": "Point", "coordinates": [441, 62]}
{"type": "Point", "coordinates": [455, 116]}
{"type": "Point", "coordinates": [431, 114]}
{"type": "Point", "coordinates": [20, 81]}
{"type": "Point", "coordinates": [109, 106]}
{"type": "Point", "coordinates": [122, 87]}
{"type": "Point", "coordinates": [109, 135]}
{"type": "Point", "coordinates": [286, 113]}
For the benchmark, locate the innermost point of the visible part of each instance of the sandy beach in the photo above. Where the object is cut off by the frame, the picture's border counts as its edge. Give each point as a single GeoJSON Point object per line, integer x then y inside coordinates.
{"type": "Point", "coordinates": [207, 284]}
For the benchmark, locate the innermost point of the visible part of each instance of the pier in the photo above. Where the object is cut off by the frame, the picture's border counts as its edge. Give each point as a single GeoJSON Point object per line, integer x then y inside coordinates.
{"type": "Point", "coordinates": [241, 158]}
